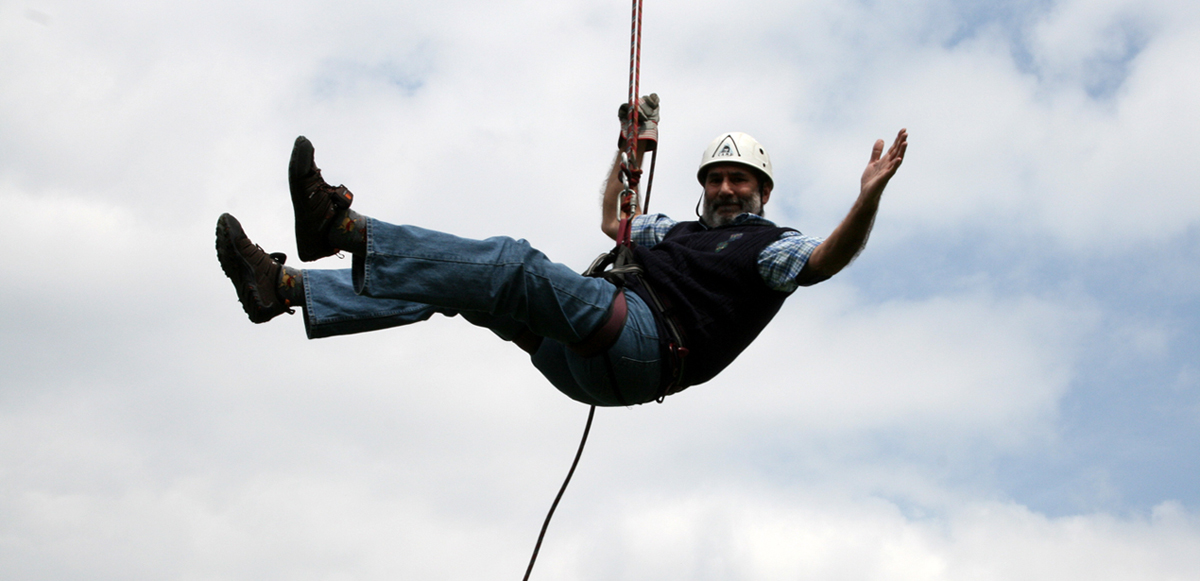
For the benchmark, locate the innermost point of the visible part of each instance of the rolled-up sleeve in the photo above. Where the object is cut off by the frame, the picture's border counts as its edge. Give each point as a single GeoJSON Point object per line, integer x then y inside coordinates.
{"type": "Point", "coordinates": [780, 263]}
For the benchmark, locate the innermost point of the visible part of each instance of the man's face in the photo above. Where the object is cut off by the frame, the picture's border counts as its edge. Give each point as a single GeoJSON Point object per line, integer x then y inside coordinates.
{"type": "Point", "coordinates": [731, 190]}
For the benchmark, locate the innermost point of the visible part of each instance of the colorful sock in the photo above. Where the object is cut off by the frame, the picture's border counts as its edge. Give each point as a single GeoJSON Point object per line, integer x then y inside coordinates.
{"type": "Point", "coordinates": [291, 286]}
{"type": "Point", "coordinates": [349, 232]}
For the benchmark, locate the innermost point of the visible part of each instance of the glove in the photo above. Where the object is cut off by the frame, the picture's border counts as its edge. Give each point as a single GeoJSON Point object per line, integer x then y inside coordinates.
{"type": "Point", "coordinates": [647, 122]}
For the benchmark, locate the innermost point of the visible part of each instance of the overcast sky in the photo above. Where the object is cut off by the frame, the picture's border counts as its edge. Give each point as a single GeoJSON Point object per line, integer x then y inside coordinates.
{"type": "Point", "coordinates": [1003, 386]}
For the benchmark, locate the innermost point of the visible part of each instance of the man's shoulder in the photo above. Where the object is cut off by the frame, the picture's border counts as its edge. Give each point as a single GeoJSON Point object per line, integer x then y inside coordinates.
{"type": "Point", "coordinates": [651, 218]}
{"type": "Point", "coordinates": [650, 229]}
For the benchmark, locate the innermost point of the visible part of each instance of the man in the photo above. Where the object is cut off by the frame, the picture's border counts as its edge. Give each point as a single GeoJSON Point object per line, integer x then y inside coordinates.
{"type": "Point", "coordinates": [717, 281]}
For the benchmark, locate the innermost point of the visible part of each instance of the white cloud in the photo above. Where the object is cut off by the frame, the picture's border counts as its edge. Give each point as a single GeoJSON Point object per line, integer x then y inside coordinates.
{"type": "Point", "coordinates": [802, 534]}
{"type": "Point", "coordinates": [157, 435]}
{"type": "Point", "coordinates": [954, 366]}
{"type": "Point", "coordinates": [994, 143]}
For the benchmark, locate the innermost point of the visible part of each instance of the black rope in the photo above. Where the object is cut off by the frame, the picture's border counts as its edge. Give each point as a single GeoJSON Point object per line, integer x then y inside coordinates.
{"type": "Point", "coordinates": [650, 181]}
{"type": "Point", "coordinates": [587, 428]}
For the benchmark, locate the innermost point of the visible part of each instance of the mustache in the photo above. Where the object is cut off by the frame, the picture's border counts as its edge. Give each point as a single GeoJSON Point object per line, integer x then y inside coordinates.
{"type": "Point", "coordinates": [743, 203]}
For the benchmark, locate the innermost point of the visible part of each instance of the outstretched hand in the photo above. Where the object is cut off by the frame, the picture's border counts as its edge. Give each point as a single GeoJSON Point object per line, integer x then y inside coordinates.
{"type": "Point", "coordinates": [849, 238]}
{"type": "Point", "coordinates": [882, 166]}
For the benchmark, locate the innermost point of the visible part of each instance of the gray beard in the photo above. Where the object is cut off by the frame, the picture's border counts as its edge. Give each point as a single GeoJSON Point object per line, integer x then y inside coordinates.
{"type": "Point", "coordinates": [713, 220]}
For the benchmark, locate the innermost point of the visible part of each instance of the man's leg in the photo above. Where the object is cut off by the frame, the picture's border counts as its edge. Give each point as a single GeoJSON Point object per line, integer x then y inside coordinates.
{"type": "Point", "coordinates": [498, 276]}
{"type": "Point", "coordinates": [404, 274]}
{"type": "Point", "coordinates": [501, 277]}
{"type": "Point", "coordinates": [266, 288]}
{"type": "Point", "coordinates": [332, 306]}
{"type": "Point", "coordinates": [499, 283]}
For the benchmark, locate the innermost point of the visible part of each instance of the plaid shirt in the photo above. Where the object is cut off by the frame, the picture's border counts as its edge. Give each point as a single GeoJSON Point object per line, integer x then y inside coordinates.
{"type": "Point", "coordinates": [779, 264]}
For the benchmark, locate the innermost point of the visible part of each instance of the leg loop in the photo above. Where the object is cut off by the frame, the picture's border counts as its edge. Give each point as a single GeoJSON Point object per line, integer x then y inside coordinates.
{"type": "Point", "coordinates": [606, 334]}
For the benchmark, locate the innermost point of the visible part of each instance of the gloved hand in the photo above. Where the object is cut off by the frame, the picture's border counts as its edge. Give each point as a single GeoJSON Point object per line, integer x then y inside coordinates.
{"type": "Point", "coordinates": [647, 122]}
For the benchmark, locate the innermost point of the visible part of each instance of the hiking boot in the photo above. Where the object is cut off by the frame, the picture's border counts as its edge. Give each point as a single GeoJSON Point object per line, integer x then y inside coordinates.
{"type": "Point", "coordinates": [255, 274]}
{"type": "Point", "coordinates": [315, 202]}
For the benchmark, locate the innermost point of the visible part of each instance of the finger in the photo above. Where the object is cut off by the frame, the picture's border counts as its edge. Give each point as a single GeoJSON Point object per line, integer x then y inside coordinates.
{"type": "Point", "coordinates": [877, 151]}
{"type": "Point", "coordinates": [901, 140]}
{"type": "Point", "coordinates": [895, 157]}
{"type": "Point", "coordinates": [898, 146]}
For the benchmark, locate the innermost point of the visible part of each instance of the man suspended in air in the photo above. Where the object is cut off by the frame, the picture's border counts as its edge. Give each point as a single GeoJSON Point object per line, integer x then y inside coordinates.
{"type": "Point", "coordinates": [705, 291]}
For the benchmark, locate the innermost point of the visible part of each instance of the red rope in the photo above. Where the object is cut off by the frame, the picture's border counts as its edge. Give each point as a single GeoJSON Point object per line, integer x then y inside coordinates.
{"type": "Point", "coordinates": [635, 62]}
{"type": "Point", "coordinates": [628, 203]}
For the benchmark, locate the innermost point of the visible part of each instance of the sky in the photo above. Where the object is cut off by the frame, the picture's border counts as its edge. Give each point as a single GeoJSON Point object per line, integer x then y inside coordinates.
{"type": "Point", "coordinates": [1003, 386]}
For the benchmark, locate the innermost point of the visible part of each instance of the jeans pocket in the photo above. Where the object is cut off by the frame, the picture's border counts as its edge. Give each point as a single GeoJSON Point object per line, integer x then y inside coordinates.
{"type": "Point", "coordinates": [639, 379]}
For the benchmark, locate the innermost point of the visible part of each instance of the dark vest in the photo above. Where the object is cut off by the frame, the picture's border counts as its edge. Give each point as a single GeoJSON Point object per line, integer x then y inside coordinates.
{"type": "Point", "coordinates": [708, 281]}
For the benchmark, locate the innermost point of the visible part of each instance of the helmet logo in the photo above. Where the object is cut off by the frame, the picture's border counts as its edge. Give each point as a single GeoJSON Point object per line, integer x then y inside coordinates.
{"type": "Point", "coordinates": [727, 148]}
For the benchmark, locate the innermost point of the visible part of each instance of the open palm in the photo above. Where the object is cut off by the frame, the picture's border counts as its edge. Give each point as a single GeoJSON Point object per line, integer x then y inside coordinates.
{"type": "Point", "coordinates": [882, 167]}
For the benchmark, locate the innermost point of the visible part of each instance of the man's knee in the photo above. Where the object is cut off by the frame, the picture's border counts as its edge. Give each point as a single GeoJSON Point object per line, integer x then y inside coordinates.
{"type": "Point", "coordinates": [516, 250]}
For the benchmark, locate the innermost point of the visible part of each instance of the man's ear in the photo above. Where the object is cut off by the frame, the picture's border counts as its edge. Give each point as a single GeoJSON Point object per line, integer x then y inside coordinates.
{"type": "Point", "coordinates": [766, 192]}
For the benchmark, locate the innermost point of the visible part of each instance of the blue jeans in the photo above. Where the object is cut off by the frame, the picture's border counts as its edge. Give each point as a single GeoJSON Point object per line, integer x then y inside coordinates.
{"type": "Point", "coordinates": [408, 273]}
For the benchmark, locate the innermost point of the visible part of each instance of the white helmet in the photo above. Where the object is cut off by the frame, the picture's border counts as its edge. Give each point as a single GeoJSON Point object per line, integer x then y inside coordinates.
{"type": "Point", "coordinates": [736, 147]}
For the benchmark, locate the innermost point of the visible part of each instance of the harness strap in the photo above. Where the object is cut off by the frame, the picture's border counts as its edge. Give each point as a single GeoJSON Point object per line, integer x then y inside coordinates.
{"type": "Point", "coordinates": [598, 342]}
{"type": "Point", "coordinates": [605, 335]}
{"type": "Point", "coordinates": [676, 352]}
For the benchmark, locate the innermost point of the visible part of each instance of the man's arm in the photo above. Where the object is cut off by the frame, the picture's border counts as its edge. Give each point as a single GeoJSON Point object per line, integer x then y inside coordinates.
{"type": "Point", "coordinates": [850, 237]}
{"type": "Point", "coordinates": [610, 218]}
